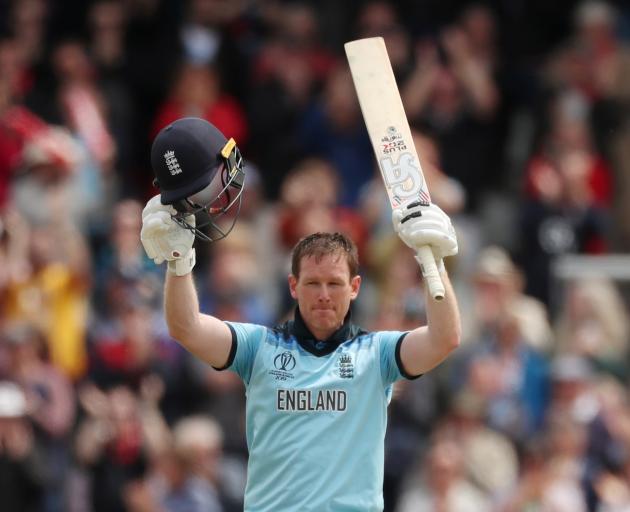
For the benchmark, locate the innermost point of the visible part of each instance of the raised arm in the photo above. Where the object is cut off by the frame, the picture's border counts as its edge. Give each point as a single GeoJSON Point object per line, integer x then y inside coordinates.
{"type": "Point", "coordinates": [205, 336]}
{"type": "Point", "coordinates": [427, 346]}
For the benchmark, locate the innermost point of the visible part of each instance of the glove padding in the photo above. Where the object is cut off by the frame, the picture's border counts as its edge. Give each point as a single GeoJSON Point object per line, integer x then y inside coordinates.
{"type": "Point", "coordinates": [165, 240]}
{"type": "Point", "coordinates": [418, 225]}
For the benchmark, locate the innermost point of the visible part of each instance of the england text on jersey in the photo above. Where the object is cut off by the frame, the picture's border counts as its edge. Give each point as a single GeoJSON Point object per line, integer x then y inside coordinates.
{"type": "Point", "coordinates": [307, 400]}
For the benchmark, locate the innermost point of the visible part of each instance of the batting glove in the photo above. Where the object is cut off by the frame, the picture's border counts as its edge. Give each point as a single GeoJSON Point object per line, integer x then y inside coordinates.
{"type": "Point", "coordinates": [418, 225]}
{"type": "Point", "coordinates": [164, 239]}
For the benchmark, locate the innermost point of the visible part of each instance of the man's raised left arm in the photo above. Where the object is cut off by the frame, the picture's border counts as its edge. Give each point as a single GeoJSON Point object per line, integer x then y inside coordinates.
{"type": "Point", "coordinates": [427, 346]}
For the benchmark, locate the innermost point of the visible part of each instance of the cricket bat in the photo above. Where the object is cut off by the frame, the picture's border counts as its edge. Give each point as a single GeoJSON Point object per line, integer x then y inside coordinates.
{"type": "Point", "coordinates": [389, 131]}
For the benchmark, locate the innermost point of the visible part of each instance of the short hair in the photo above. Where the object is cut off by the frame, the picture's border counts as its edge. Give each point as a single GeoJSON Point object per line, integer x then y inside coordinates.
{"type": "Point", "coordinates": [321, 244]}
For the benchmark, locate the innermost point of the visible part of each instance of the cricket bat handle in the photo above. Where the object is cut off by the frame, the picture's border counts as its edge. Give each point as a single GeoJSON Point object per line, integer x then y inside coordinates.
{"type": "Point", "coordinates": [430, 272]}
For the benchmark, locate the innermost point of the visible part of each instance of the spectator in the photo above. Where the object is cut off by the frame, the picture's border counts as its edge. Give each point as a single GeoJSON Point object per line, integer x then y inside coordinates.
{"type": "Point", "coordinates": [569, 131]}
{"type": "Point", "coordinates": [490, 459]}
{"type": "Point", "coordinates": [114, 444]}
{"type": "Point", "coordinates": [50, 406]}
{"type": "Point", "coordinates": [197, 92]}
{"type": "Point", "coordinates": [235, 288]}
{"type": "Point", "coordinates": [592, 323]}
{"type": "Point", "coordinates": [120, 264]}
{"type": "Point", "coordinates": [498, 286]}
{"type": "Point", "coordinates": [605, 479]}
{"type": "Point", "coordinates": [191, 473]}
{"type": "Point", "coordinates": [572, 388]}
{"type": "Point", "coordinates": [23, 470]}
{"type": "Point", "coordinates": [81, 102]}
{"type": "Point", "coordinates": [564, 219]}
{"type": "Point", "coordinates": [301, 211]}
{"type": "Point", "coordinates": [378, 18]}
{"type": "Point", "coordinates": [107, 22]}
{"type": "Point", "coordinates": [49, 288]}
{"type": "Point", "coordinates": [288, 71]}
{"type": "Point", "coordinates": [453, 90]}
{"type": "Point", "coordinates": [545, 482]}
{"type": "Point", "coordinates": [332, 129]}
{"type": "Point", "coordinates": [510, 376]}
{"type": "Point", "coordinates": [127, 349]}
{"type": "Point", "coordinates": [29, 22]}
{"type": "Point", "coordinates": [444, 485]}
{"type": "Point", "coordinates": [594, 62]}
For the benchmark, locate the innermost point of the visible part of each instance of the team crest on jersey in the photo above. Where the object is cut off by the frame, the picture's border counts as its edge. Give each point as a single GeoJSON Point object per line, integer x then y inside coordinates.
{"type": "Point", "coordinates": [346, 366]}
{"type": "Point", "coordinates": [283, 363]}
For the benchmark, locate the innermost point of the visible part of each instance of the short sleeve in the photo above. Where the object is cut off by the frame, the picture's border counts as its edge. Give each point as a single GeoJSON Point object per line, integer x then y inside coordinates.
{"type": "Point", "coordinates": [389, 347]}
{"type": "Point", "coordinates": [246, 338]}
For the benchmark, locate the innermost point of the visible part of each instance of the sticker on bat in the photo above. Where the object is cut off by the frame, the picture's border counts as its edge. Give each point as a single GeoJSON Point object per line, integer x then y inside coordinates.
{"type": "Point", "coordinates": [393, 141]}
{"type": "Point", "coordinates": [403, 178]}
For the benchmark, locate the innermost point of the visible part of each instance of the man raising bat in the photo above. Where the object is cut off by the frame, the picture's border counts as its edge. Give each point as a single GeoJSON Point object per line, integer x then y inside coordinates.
{"type": "Point", "coordinates": [318, 386]}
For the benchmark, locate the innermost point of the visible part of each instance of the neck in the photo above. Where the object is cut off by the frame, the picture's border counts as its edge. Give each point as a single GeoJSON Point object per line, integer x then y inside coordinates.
{"type": "Point", "coordinates": [322, 335]}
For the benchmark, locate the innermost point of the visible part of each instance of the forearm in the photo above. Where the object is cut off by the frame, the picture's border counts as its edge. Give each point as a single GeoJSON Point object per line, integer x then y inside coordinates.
{"type": "Point", "coordinates": [203, 335]}
{"type": "Point", "coordinates": [443, 318]}
{"type": "Point", "coordinates": [427, 346]}
{"type": "Point", "coordinates": [181, 305]}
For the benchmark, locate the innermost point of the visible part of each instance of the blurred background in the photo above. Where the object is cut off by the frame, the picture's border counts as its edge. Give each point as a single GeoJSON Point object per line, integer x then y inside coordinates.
{"type": "Point", "coordinates": [521, 114]}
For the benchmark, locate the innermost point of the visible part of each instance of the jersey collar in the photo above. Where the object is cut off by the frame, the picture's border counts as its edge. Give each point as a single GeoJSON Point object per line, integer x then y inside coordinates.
{"type": "Point", "coordinates": [308, 342]}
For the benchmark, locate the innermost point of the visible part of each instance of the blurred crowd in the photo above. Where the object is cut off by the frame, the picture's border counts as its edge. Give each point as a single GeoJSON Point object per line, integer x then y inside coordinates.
{"type": "Point", "coordinates": [521, 114]}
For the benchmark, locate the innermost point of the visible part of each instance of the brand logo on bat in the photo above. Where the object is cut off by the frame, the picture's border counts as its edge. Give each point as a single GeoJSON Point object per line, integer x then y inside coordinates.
{"type": "Point", "coordinates": [402, 177]}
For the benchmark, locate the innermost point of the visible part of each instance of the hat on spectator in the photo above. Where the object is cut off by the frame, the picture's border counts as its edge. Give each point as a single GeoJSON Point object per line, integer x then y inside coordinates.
{"type": "Point", "coordinates": [494, 263]}
{"type": "Point", "coordinates": [594, 12]}
{"type": "Point", "coordinates": [53, 146]}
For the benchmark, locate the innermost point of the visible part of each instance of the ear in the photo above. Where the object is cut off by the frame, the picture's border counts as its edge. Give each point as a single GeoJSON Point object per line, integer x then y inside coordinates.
{"type": "Point", "coordinates": [355, 284]}
{"type": "Point", "coordinates": [292, 285]}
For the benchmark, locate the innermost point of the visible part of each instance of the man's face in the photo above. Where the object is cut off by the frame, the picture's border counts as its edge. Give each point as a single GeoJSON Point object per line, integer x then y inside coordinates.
{"type": "Point", "coordinates": [324, 291]}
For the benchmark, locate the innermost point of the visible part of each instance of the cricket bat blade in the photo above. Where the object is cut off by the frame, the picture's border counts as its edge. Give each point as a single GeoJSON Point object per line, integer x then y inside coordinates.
{"type": "Point", "coordinates": [391, 138]}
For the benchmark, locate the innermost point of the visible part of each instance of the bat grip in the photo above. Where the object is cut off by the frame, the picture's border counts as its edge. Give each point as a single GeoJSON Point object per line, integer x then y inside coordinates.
{"type": "Point", "coordinates": [430, 272]}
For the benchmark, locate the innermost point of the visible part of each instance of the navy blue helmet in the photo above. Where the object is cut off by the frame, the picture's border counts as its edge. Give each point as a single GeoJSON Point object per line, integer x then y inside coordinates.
{"type": "Point", "coordinates": [199, 172]}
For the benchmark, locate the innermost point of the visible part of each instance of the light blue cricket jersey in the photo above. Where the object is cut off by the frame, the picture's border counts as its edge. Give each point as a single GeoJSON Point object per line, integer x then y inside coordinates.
{"type": "Point", "coordinates": [316, 415]}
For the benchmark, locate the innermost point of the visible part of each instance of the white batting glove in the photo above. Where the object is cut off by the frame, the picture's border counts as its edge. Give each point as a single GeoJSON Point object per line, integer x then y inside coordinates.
{"type": "Point", "coordinates": [165, 240]}
{"type": "Point", "coordinates": [418, 225]}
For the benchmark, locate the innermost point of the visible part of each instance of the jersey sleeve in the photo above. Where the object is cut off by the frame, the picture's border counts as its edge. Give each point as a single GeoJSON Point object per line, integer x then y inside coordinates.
{"type": "Point", "coordinates": [246, 338]}
{"type": "Point", "coordinates": [391, 365]}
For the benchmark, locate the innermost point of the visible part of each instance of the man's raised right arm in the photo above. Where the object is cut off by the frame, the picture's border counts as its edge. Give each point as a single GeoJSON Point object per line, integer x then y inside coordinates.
{"type": "Point", "coordinates": [205, 336]}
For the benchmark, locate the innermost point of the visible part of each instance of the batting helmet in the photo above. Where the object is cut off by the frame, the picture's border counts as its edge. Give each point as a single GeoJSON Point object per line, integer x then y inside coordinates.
{"type": "Point", "coordinates": [199, 172]}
